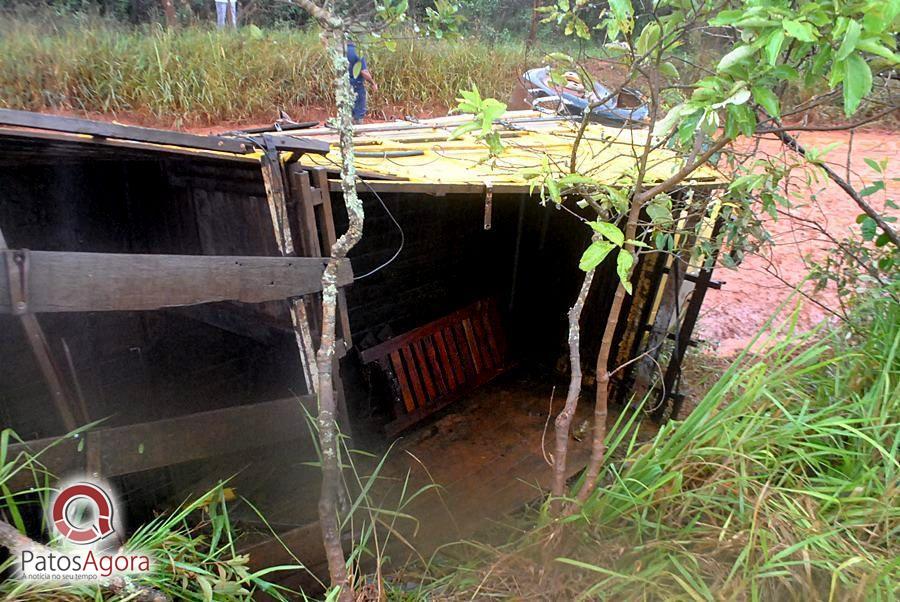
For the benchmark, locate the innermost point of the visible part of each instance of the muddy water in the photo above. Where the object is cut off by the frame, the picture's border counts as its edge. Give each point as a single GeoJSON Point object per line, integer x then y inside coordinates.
{"type": "Point", "coordinates": [732, 315]}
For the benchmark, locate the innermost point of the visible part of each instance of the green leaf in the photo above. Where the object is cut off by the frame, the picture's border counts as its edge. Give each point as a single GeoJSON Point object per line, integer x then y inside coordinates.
{"type": "Point", "coordinates": [665, 125]}
{"type": "Point", "coordinates": [773, 46]}
{"type": "Point", "coordinates": [491, 110]}
{"type": "Point", "coordinates": [799, 30]}
{"type": "Point", "coordinates": [659, 214]}
{"type": "Point", "coordinates": [560, 57]}
{"type": "Point", "coordinates": [870, 190]}
{"type": "Point", "coordinates": [609, 231]}
{"type": "Point", "coordinates": [574, 179]}
{"type": "Point", "coordinates": [848, 44]}
{"type": "Point", "coordinates": [623, 268]}
{"type": "Point", "coordinates": [785, 72]}
{"type": "Point", "coordinates": [464, 129]}
{"type": "Point", "coordinates": [649, 38]}
{"type": "Point", "coordinates": [869, 228]}
{"type": "Point", "coordinates": [873, 164]}
{"type": "Point", "coordinates": [767, 100]}
{"type": "Point", "coordinates": [357, 69]}
{"type": "Point", "coordinates": [622, 9]}
{"type": "Point", "coordinates": [873, 46]}
{"type": "Point", "coordinates": [739, 119]}
{"type": "Point", "coordinates": [553, 190]}
{"type": "Point", "coordinates": [205, 588]}
{"type": "Point", "coordinates": [735, 56]}
{"type": "Point", "coordinates": [726, 17]}
{"type": "Point", "coordinates": [857, 82]}
{"type": "Point", "coordinates": [595, 254]}
{"type": "Point", "coordinates": [689, 126]}
{"type": "Point", "coordinates": [669, 70]}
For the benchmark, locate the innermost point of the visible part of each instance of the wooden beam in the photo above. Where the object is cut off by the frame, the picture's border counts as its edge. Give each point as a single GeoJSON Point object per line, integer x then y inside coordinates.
{"type": "Point", "coordinates": [102, 129]}
{"type": "Point", "coordinates": [14, 297]}
{"type": "Point", "coordinates": [63, 281]}
{"type": "Point", "coordinates": [320, 178]}
{"type": "Point", "coordinates": [145, 446]}
{"type": "Point", "coordinates": [441, 189]}
{"type": "Point", "coordinates": [276, 196]}
{"type": "Point", "coordinates": [296, 144]}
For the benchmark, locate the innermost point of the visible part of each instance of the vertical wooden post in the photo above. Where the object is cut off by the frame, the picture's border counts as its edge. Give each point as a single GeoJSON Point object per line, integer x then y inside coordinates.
{"type": "Point", "coordinates": [36, 339]}
{"type": "Point", "coordinates": [330, 236]}
{"type": "Point", "coordinates": [273, 178]}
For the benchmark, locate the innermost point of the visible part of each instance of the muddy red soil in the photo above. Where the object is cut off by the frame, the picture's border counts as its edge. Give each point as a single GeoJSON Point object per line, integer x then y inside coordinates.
{"type": "Point", "coordinates": [732, 316]}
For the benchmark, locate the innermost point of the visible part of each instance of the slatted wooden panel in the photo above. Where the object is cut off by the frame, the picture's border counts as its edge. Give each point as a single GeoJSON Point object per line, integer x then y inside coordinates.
{"type": "Point", "coordinates": [433, 365]}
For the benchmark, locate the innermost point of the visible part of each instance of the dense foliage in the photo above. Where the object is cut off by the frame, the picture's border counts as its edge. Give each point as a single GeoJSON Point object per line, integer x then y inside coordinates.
{"type": "Point", "coordinates": [780, 485]}
{"type": "Point", "coordinates": [193, 75]}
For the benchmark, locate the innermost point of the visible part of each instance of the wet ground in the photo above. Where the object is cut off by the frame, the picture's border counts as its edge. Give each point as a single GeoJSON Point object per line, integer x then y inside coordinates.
{"type": "Point", "coordinates": [732, 316]}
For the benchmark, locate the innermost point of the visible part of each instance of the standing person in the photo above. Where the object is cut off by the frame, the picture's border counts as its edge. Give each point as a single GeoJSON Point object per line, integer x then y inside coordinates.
{"type": "Point", "coordinates": [358, 82]}
{"type": "Point", "coordinates": [222, 8]}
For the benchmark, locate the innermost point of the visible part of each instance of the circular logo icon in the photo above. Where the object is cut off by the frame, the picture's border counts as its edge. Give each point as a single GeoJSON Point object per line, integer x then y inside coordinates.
{"type": "Point", "coordinates": [101, 511]}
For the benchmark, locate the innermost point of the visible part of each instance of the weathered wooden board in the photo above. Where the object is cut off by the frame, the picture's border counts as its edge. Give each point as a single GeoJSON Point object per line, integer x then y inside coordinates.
{"type": "Point", "coordinates": [137, 447]}
{"type": "Point", "coordinates": [103, 129]}
{"type": "Point", "coordinates": [420, 364]}
{"type": "Point", "coordinates": [63, 281]}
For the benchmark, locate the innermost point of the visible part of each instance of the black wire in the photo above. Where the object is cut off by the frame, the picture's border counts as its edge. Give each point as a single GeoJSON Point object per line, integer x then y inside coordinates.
{"type": "Point", "coordinates": [396, 223]}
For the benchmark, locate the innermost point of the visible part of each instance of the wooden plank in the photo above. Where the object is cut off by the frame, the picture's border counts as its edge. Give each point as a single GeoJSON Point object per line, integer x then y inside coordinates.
{"type": "Point", "coordinates": [486, 318]}
{"type": "Point", "coordinates": [400, 373]}
{"type": "Point", "coordinates": [64, 281]}
{"type": "Point", "coordinates": [15, 273]}
{"type": "Point", "coordinates": [302, 220]}
{"type": "Point", "coordinates": [435, 366]}
{"type": "Point", "coordinates": [138, 447]}
{"type": "Point", "coordinates": [399, 341]}
{"type": "Point", "coordinates": [305, 212]}
{"type": "Point", "coordinates": [446, 364]}
{"type": "Point", "coordinates": [296, 144]}
{"type": "Point", "coordinates": [276, 196]}
{"type": "Point", "coordinates": [481, 341]}
{"type": "Point", "coordinates": [103, 129]}
{"type": "Point", "coordinates": [54, 148]}
{"type": "Point", "coordinates": [330, 236]}
{"type": "Point", "coordinates": [459, 365]}
{"type": "Point", "coordinates": [467, 341]}
{"type": "Point", "coordinates": [413, 376]}
{"type": "Point", "coordinates": [423, 370]}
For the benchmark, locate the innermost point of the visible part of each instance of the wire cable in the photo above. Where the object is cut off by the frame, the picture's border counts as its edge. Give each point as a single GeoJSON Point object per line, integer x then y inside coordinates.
{"type": "Point", "coordinates": [396, 223]}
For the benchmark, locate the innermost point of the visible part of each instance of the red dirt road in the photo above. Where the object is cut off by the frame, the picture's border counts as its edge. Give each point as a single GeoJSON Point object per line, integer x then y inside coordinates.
{"type": "Point", "coordinates": [733, 315]}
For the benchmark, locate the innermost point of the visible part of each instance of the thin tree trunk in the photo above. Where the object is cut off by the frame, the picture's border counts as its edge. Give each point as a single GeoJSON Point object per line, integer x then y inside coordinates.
{"type": "Point", "coordinates": [327, 423]}
{"type": "Point", "coordinates": [601, 403]}
{"type": "Point", "coordinates": [535, 18]}
{"type": "Point", "coordinates": [564, 418]}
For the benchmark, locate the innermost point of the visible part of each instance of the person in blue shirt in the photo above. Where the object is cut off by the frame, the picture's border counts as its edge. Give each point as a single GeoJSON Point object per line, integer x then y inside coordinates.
{"type": "Point", "coordinates": [359, 82]}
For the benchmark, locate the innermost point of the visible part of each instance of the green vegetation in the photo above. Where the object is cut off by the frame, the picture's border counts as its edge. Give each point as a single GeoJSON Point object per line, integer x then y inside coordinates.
{"type": "Point", "coordinates": [193, 547]}
{"type": "Point", "coordinates": [780, 485]}
{"type": "Point", "coordinates": [194, 75]}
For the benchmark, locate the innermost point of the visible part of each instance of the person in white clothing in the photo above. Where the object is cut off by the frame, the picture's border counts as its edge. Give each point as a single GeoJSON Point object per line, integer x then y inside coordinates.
{"type": "Point", "coordinates": [222, 7]}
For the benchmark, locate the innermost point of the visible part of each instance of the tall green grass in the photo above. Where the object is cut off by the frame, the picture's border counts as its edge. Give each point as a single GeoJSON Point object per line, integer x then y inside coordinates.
{"type": "Point", "coordinates": [194, 75]}
{"type": "Point", "coordinates": [781, 485]}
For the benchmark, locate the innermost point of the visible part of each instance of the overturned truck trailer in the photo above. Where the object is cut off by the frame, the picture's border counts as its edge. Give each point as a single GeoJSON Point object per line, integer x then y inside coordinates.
{"type": "Point", "coordinates": [168, 286]}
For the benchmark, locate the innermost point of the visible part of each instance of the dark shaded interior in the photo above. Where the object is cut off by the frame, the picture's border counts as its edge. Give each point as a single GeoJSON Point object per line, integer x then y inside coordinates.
{"type": "Point", "coordinates": [133, 367]}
